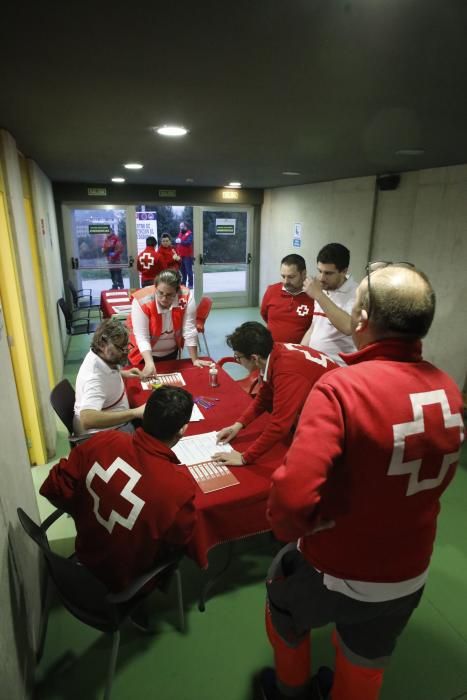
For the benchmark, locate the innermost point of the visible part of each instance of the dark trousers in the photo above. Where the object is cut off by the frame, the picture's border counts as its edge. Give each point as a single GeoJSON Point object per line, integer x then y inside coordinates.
{"type": "Point", "coordinates": [117, 278]}
{"type": "Point", "coordinates": [187, 271]}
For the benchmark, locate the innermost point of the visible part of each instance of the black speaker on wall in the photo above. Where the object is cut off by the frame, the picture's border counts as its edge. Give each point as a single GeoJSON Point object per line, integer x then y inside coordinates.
{"type": "Point", "coordinates": [388, 182]}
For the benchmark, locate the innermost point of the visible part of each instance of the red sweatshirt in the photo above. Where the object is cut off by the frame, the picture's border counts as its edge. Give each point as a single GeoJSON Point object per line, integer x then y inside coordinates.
{"type": "Point", "coordinates": [166, 258]}
{"type": "Point", "coordinates": [287, 316]}
{"type": "Point", "coordinates": [376, 445]}
{"type": "Point", "coordinates": [127, 499]}
{"type": "Point", "coordinates": [290, 373]}
{"type": "Point", "coordinates": [148, 264]}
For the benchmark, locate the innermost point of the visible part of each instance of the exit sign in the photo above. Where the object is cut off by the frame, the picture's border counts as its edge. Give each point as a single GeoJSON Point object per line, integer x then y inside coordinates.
{"type": "Point", "coordinates": [229, 194]}
{"type": "Point", "coordinates": [97, 191]}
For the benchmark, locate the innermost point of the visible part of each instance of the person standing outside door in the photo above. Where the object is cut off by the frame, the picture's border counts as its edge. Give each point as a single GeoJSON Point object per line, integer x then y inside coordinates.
{"type": "Point", "coordinates": [184, 243]}
{"type": "Point", "coordinates": [112, 249]}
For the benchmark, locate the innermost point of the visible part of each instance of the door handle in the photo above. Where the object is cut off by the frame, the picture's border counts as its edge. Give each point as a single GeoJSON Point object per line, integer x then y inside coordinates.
{"type": "Point", "coordinates": [248, 259]}
{"type": "Point", "coordinates": [200, 258]}
{"type": "Point", "coordinates": [75, 263]}
{"type": "Point", "coordinates": [131, 261]}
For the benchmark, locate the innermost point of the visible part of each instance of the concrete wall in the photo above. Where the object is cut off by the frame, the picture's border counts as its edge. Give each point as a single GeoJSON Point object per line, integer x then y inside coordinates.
{"type": "Point", "coordinates": [423, 221]}
{"type": "Point", "coordinates": [19, 564]}
{"type": "Point", "coordinates": [50, 261]}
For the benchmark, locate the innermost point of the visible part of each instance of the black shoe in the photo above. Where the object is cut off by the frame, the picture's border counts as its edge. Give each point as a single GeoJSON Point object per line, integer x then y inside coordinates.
{"type": "Point", "coordinates": [266, 687]}
{"type": "Point", "coordinates": [321, 683]}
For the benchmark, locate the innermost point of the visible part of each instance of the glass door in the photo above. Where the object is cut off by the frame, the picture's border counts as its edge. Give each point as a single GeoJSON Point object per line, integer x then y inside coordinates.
{"type": "Point", "coordinates": [224, 254]}
{"type": "Point", "coordinates": [100, 247]}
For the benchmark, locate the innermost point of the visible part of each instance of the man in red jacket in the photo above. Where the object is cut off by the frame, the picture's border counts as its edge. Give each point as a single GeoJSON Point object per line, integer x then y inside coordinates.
{"type": "Point", "coordinates": [184, 243]}
{"type": "Point", "coordinates": [127, 497]}
{"type": "Point", "coordinates": [288, 373]}
{"type": "Point", "coordinates": [376, 445]}
{"type": "Point", "coordinates": [113, 249]}
{"type": "Point", "coordinates": [286, 308]}
{"type": "Point", "coordinates": [168, 257]}
{"type": "Point", "coordinates": [147, 262]}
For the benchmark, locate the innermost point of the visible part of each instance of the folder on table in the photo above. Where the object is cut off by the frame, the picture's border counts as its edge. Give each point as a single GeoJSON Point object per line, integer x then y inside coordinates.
{"type": "Point", "coordinates": [212, 476]}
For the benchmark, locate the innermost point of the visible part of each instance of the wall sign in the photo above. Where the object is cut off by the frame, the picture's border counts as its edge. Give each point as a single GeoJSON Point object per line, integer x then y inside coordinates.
{"type": "Point", "coordinates": [225, 227]}
{"type": "Point", "coordinates": [171, 194]}
{"type": "Point", "coordinates": [99, 228]}
{"type": "Point", "coordinates": [97, 191]}
{"type": "Point", "coordinates": [229, 194]}
{"type": "Point", "coordinates": [297, 242]}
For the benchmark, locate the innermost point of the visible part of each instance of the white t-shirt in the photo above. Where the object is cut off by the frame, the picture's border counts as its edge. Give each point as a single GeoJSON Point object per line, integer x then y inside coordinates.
{"type": "Point", "coordinates": [166, 343]}
{"type": "Point", "coordinates": [324, 336]}
{"type": "Point", "coordinates": [98, 387]}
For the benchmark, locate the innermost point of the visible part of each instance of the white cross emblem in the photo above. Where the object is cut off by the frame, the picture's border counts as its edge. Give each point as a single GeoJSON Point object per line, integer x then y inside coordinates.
{"type": "Point", "coordinates": [147, 260]}
{"type": "Point", "coordinates": [303, 310]}
{"type": "Point", "coordinates": [416, 427]}
{"type": "Point", "coordinates": [126, 493]}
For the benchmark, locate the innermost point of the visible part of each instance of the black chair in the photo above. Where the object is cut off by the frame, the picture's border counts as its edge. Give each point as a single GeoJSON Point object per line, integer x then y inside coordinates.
{"type": "Point", "coordinates": [86, 598]}
{"type": "Point", "coordinates": [82, 299]}
{"type": "Point", "coordinates": [62, 398]}
{"type": "Point", "coordinates": [76, 325]}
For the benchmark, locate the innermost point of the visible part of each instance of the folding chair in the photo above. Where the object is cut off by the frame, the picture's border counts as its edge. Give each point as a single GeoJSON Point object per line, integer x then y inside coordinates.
{"type": "Point", "coordinates": [82, 299]}
{"type": "Point", "coordinates": [250, 383]}
{"type": "Point", "coordinates": [202, 312]}
{"type": "Point", "coordinates": [62, 398]}
{"type": "Point", "coordinates": [76, 326]}
{"type": "Point", "coordinates": [86, 598]}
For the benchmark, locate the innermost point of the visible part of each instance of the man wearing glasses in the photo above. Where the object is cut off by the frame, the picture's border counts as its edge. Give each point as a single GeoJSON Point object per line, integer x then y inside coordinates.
{"type": "Point", "coordinates": [162, 321]}
{"type": "Point", "coordinates": [288, 372]}
{"type": "Point", "coordinates": [376, 445]}
{"type": "Point", "coordinates": [101, 402]}
{"type": "Point", "coordinates": [333, 291]}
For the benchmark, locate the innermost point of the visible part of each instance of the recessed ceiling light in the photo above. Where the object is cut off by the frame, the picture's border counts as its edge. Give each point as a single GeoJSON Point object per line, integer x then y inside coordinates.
{"type": "Point", "coordinates": [234, 184]}
{"type": "Point", "coordinates": [133, 166]}
{"type": "Point", "coordinates": [171, 130]}
{"type": "Point", "coordinates": [189, 179]}
{"type": "Point", "coordinates": [410, 152]}
{"type": "Point", "coordinates": [118, 179]}
{"type": "Point", "coordinates": [290, 172]}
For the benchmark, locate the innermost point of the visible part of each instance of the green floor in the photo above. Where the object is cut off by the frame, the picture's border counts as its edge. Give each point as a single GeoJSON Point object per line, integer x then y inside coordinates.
{"type": "Point", "coordinates": [222, 648]}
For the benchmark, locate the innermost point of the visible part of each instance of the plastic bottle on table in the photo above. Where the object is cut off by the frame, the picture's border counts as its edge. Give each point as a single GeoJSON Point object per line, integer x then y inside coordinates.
{"type": "Point", "coordinates": [213, 378]}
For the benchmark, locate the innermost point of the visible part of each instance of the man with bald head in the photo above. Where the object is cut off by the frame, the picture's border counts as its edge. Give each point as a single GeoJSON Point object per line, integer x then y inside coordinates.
{"type": "Point", "coordinates": [377, 443]}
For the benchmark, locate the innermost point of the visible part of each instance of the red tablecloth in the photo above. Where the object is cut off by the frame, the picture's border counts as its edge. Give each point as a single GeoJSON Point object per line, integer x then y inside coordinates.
{"type": "Point", "coordinates": [115, 301]}
{"type": "Point", "coordinates": [237, 511]}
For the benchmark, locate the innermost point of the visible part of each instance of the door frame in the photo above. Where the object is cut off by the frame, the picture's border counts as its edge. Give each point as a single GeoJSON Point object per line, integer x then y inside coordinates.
{"type": "Point", "coordinates": [223, 300]}
{"type": "Point", "coordinates": [130, 221]}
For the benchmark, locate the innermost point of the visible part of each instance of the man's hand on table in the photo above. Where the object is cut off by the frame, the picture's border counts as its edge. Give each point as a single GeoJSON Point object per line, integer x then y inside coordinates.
{"type": "Point", "coordinates": [202, 363]}
{"type": "Point", "coordinates": [234, 458]}
{"type": "Point", "coordinates": [228, 434]}
{"type": "Point", "coordinates": [129, 373]}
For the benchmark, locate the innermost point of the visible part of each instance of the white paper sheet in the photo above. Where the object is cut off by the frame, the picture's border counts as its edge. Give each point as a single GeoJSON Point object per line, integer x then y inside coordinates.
{"type": "Point", "coordinates": [196, 414]}
{"type": "Point", "coordinates": [198, 448]}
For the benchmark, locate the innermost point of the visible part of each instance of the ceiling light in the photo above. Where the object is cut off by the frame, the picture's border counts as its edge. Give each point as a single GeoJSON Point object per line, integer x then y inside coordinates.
{"type": "Point", "coordinates": [234, 184]}
{"type": "Point", "coordinates": [410, 152]}
{"type": "Point", "coordinates": [171, 130]}
{"type": "Point", "coordinates": [290, 172]}
{"type": "Point", "coordinates": [133, 166]}
{"type": "Point", "coordinates": [189, 179]}
{"type": "Point", "coordinates": [118, 179]}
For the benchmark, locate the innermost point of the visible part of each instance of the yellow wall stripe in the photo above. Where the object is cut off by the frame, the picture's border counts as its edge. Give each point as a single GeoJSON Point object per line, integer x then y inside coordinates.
{"type": "Point", "coordinates": [20, 344]}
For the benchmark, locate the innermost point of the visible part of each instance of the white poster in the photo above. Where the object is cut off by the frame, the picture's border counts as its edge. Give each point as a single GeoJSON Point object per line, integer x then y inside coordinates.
{"type": "Point", "coordinates": [297, 230]}
{"type": "Point", "coordinates": [225, 227]}
{"type": "Point", "coordinates": [146, 225]}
